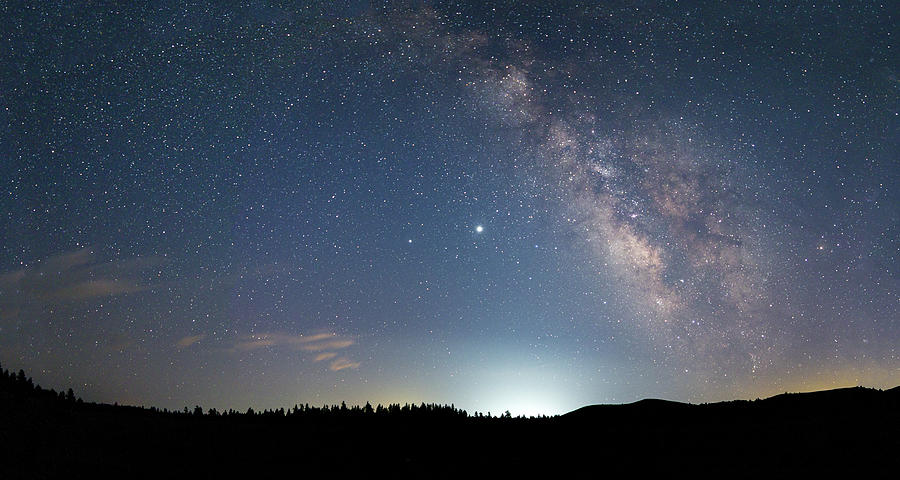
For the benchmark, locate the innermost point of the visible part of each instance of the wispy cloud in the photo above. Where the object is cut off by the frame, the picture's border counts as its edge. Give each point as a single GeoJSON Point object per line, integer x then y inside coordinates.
{"type": "Point", "coordinates": [310, 343]}
{"type": "Point", "coordinates": [70, 277]}
{"type": "Point", "coordinates": [342, 364]}
{"type": "Point", "coordinates": [95, 288]}
{"type": "Point", "coordinates": [324, 356]}
{"type": "Point", "coordinates": [185, 342]}
{"type": "Point", "coordinates": [325, 346]}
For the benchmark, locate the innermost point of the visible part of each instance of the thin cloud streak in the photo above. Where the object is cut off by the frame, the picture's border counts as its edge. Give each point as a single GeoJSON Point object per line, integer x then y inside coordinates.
{"type": "Point", "coordinates": [309, 343]}
{"type": "Point", "coordinates": [325, 346]}
{"type": "Point", "coordinates": [324, 356]}
{"type": "Point", "coordinates": [343, 364]}
{"type": "Point", "coordinates": [185, 342]}
{"type": "Point", "coordinates": [70, 277]}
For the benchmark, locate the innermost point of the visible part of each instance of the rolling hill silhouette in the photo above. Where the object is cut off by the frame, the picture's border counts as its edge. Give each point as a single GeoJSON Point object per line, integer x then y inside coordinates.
{"type": "Point", "coordinates": [47, 434]}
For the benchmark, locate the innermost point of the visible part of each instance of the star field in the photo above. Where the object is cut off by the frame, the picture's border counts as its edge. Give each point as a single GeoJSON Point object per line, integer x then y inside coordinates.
{"type": "Point", "coordinates": [525, 206]}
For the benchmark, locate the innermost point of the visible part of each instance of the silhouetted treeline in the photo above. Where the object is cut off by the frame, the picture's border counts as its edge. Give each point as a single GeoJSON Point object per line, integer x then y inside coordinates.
{"type": "Point", "coordinates": [19, 386]}
{"type": "Point", "coordinates": [430, 410]}
{"type": "Point", "coordinates": [49, 434]}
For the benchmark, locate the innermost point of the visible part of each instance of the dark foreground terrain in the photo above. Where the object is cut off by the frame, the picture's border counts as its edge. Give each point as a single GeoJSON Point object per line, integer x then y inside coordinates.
{"type": "Point", "coordinates": [45, 434]}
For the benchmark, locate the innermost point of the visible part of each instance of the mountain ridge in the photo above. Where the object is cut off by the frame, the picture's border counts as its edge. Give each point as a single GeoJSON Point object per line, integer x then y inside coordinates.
{"type": "Point", "coordinates": [837, 398]}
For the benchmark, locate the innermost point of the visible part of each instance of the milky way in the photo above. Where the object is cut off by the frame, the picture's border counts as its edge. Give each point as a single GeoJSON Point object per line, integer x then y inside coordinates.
{"type": "Point", "coordinates": [662, 211]}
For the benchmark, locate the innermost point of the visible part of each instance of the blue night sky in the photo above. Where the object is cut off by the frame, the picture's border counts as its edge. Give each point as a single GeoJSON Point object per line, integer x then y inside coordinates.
{"type": "Point", "coordinates": [529, 206]}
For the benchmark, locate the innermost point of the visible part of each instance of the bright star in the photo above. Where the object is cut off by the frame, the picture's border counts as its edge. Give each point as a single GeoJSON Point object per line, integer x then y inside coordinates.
{"type": "Point", "coordinates": [479, 229]}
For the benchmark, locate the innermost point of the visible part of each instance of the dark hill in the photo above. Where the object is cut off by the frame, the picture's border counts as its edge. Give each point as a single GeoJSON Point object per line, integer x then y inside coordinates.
{"type": "Point", "coordinates": [642, 406]}
{"type": "Point", "coordinates": [847, 396]}
{"type": "Point", "coordinates": [836, 400]}
{"type": "Point", "coordinates": [843, 411]}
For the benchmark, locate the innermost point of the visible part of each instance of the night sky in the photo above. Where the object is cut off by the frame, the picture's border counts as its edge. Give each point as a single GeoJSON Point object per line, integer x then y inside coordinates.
{"type": "Point", "coordinates": [527, 206]}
